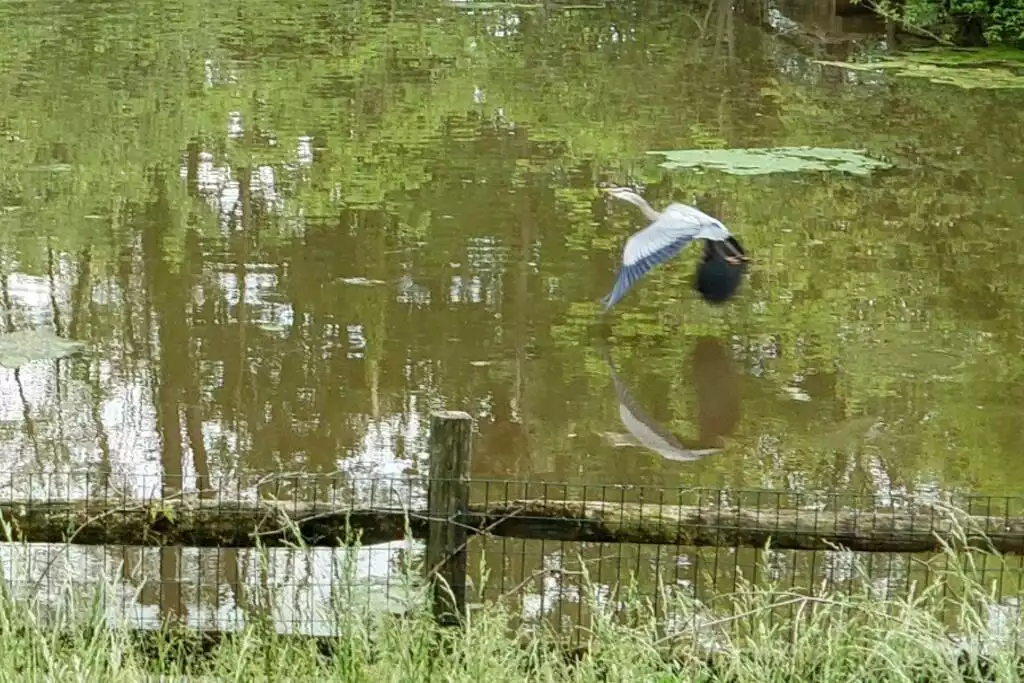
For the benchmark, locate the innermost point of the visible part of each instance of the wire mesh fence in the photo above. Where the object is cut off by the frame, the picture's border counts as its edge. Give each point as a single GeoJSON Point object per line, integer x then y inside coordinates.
{"type": "Point", "coordinates": [557, 575]}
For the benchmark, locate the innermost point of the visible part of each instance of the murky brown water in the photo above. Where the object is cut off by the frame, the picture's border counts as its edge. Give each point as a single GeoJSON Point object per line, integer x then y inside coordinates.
{"type": "Point", "coordinates": [287, 231]}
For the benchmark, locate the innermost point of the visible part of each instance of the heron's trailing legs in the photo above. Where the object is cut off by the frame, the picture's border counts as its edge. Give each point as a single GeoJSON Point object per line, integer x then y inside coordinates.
{"type": "Point", "coordinates": [736, 257]}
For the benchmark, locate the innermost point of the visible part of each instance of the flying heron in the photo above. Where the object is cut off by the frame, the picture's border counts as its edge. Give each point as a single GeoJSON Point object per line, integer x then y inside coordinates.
{"type": "Point", "coordinates": [670, 231]}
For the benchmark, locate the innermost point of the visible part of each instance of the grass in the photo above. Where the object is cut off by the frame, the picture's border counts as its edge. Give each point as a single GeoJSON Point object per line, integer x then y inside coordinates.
{"type": "Point", "coordinates": [939, 632]}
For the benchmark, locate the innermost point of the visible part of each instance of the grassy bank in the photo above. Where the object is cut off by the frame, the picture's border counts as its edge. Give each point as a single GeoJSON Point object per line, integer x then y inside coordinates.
{"type": "Point", "coordinates": [757, 634]}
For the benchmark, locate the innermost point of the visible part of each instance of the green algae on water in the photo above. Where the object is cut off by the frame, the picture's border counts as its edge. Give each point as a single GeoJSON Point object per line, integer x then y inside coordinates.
{"type": "Point", "coordinates": [757, 161]}
{"type": "Point", "coordinates": [26, 346]}
{"type": "Point", "coordinates": [982, 68]}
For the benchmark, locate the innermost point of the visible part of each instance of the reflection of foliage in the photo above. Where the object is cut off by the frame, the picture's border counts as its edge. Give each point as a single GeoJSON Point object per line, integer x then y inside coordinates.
{"type": "Point", "coordinates": [889, 295]}
{"type": "Point", "coordinates": [967, 22]}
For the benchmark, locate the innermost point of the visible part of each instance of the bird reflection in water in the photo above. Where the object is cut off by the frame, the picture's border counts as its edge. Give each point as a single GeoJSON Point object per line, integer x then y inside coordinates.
{"type": "Point", "coordinates": [716, 384]}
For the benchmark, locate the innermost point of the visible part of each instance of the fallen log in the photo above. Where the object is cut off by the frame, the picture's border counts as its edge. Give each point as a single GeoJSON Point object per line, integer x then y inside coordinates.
{"type": "Point", "coordinates": [202, 523]}
{"type": "Point", "coordinates": [920, 530]}
{"type": "Point", "coordinates": [218, 523]}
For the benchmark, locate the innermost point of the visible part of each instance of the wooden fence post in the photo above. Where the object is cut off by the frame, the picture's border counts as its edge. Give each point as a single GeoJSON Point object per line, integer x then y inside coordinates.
{"type": "Point", "coordinates": [451, 438]}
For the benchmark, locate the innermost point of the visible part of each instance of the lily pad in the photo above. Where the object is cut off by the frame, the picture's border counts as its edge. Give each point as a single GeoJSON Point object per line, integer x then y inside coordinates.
{"type": "Point", "coordinates": [968, 57]}
{"type": "Point", "coordinates": [987, 69]}
{"type": "Point", "coordinates": [25, 346]}
{"type": "Point", "coordinates": [361, 281]}
{"type": "Point", "coordinates": [485, 5]}
{"type": "Point", "coordinates": [756, 161]}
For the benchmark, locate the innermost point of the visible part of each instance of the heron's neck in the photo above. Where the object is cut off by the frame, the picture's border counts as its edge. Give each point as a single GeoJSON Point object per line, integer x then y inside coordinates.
{"type": "Point", "coordinates": [641, 203]}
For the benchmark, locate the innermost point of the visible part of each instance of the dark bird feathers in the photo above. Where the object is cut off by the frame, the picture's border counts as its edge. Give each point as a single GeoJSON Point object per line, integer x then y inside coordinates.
{"type": "Point", "coordinates": [716, 279]}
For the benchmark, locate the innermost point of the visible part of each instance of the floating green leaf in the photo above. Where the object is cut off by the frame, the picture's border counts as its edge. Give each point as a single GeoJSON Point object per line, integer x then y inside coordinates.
{"type": "Point", "coordinates": [485, 5]}
{"type": "Point", "coordinates": [755, 161]}
{"type": "Point", "coordinates": [476, 5]}
{"type": "Point", "coordinates": [988, 56]}
{"type": "Point", "coordinates": [968, 69]}
{"type": "Point", "coordinates": [25, 346]}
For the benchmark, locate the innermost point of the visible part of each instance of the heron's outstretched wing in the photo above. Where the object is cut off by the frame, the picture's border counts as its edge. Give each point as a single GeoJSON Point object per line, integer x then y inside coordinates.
{"type": "Point", "coordinates": [677, 226]}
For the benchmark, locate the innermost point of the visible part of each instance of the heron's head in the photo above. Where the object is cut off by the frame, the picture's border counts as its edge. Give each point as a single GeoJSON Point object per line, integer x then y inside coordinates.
{"type": "Point", "coordinates": [627, 195]}
{"type": "Point", "coordinates": [623, 193]}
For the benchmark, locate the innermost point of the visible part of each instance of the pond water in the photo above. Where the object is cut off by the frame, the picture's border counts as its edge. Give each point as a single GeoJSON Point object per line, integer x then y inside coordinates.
{"type": "Point", "coordinates": [287, 231]}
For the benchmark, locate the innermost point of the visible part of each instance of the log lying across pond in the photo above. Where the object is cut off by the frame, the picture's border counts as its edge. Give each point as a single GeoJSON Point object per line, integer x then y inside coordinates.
{"type": "Point", "coordinates": [219, 523]}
